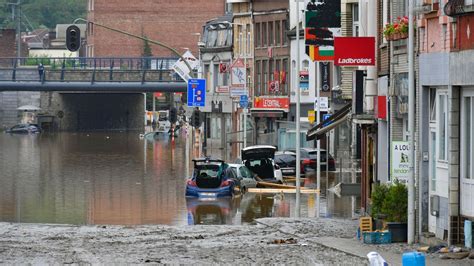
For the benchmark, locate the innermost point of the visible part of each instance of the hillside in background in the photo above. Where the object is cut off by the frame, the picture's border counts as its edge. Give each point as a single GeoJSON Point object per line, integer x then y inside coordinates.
{"type": "Point", "coordinates": [42, 13]}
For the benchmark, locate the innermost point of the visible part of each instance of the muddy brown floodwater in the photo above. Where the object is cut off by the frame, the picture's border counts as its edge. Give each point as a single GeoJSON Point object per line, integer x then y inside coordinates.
{"type": "Point", "coordinates": [121, 179]}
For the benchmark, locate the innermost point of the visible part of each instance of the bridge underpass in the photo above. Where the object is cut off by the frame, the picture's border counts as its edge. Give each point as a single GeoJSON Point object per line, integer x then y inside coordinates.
{"type": "Point", "coordinates": [83, 94]}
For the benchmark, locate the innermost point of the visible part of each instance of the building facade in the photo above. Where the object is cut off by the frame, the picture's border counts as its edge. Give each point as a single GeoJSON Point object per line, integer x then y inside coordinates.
{"type": "Point", "coordinates": [170, 22]}
{"type": "Point", "coordinates": [446, 90]}
{"type": "Point", "coordinates": [271, 67]}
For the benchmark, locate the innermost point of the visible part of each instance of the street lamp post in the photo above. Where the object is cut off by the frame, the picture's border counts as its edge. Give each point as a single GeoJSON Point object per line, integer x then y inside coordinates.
{"type": "Point", "coordinates": [411, 125]}
{"type": "Point", "coordinates": [298, 101]}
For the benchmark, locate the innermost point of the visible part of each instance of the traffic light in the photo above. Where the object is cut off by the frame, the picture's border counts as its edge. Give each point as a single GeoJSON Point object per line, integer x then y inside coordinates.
{"type": "Point", "coordinates": [73, 38]}
{"type": "Point", "coordinates": [196, 118]}
{"type": "Point", "coordinates": [173, 115]}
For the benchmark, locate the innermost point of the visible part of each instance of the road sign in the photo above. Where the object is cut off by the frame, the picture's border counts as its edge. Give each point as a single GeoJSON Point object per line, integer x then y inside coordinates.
{"type": "Point", "coordinates": [244, 101]}
{"type": "Point", "coordinates": [196, 92]}
{"type": "Point", "coordinates": [324, 104]}
{"type": "Point", "coordinates": [326, 117]}
{"type": "Point", "coordinates": [182, 69]}
{"type": "Point", "coordinates": [238, 74]}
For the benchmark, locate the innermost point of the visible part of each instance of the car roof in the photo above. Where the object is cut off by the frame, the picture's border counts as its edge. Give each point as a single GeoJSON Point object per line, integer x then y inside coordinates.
{"type": "Point", "coordinates": [285, 152]}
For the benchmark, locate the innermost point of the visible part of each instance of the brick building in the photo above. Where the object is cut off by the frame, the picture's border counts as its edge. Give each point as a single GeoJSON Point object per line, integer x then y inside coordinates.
{"type": "Point", "coordinates": [170, 22]}
{"type": "Point", "coordinates": [7, 43]}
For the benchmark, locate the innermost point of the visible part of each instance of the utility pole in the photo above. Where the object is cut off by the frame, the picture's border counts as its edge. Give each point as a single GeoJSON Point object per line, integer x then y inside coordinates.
{"type": "Point", "coordinates": [411, 125]}
{"type": "Point", "coordinates": [298, 100]}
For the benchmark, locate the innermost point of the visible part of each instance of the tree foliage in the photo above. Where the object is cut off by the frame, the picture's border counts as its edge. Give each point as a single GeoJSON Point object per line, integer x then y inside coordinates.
{"type": "Point", "coordinates": [42, 13]}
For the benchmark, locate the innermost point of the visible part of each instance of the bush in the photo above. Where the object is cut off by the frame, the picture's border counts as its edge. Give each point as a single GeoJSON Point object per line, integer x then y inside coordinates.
{"type": "Point", "coordinates": [378, 196]}
{"type": "Point", "coordinates": [390, 201]}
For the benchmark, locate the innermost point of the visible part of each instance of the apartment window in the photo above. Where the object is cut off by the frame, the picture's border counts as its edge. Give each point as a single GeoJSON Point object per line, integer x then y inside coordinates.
{"type": "Point", "coordinates": [265, 76]}
{"type": "Point", "coordinates": [284, 88]}
{"type": "Point", "coordinates": [355, 20]}
{"type": "Point", "coordinates": [270, 70]}
{"type": "Point", "coordinates": [258, 39]}
{"type": "Point", "coordinates": [283, 26]}
{"type": "Point", "coordinates": [305, 65]}
{"type": "Point", "coordinates": [432, 105]}
{"type": "Point", "coordinates": [271, 40]}
{"type": "Point", "coordinates": [277, 33]}
{"type": "Point", "coordinates": [468, 137]}
{"type": "Point", "coordinates": [215, 74]}
{"type": "Point", "coordinates": [442, 127]}
{"type": "Point", "coordinates": [445, 35]}
{"type": "Point", "coordinates": [248, 39]}
{"type": "Point", "coordinates": [258, 69]}
{"type": "Point", "coordinates": [264, 34]}
{"type": "Point", "coordinates": [241, 41]}
{"type": "Point", "coordinates": [90, 6]}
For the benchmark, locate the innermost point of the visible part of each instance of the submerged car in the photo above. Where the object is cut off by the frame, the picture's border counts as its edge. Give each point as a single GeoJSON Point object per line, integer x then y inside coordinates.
{"type": "Point", "coordinates": [309, 160]}
{"type": "Point", "coordinates": [244, 178]}
{"type": "Point", "coordinates": [260, 160]}
{"type": "Point", "coordinates": [287, 162]}
{"type": "Point", "coordinates": [24, 129]}
{"type": "Point", "coordinates": [210, 179]}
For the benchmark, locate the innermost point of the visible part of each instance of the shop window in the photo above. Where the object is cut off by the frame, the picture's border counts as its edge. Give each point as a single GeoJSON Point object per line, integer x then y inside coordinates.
{"type": "Point", "coordinates": [432, 105]}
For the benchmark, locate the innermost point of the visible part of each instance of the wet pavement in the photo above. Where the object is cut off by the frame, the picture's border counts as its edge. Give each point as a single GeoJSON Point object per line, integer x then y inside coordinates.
{"type": "Point", "coordinates": [120, 178]}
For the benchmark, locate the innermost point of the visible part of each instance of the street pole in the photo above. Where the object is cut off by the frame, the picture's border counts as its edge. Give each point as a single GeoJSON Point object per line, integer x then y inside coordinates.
{"type": "Point", "coordinates": [318, 142]}
{"type": "Point", "coordinates": [411, 125]}
{"type": "Point", "coordinates": [297, 91]}
{"type": "Point", "coordinates": [245, 88]}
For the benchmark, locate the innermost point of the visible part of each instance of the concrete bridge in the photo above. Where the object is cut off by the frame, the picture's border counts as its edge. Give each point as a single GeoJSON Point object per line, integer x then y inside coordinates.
{"type": "Point", "coordinates": [84, 93]}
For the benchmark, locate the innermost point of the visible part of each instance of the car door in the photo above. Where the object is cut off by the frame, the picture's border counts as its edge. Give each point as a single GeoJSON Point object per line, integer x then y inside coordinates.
{"type": "Point", "coordinates": [247, 179]}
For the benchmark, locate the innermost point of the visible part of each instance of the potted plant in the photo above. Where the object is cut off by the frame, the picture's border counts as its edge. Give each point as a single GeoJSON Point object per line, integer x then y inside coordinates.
{"type": "Point", "coordinates": [391, 201]}
{"type": "Point", "coordinates": [397, 30]}
{"type": "Point", "coordinates": [379, 192]}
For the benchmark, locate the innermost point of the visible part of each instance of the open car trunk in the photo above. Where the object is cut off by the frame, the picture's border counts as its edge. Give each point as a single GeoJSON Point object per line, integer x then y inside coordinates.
{"type": "Point", "coordinates": [207, 176]}
{"type": "Point", "coordinates": [259, 160]}
{"type": "Point", "coordinates": [263, 168]}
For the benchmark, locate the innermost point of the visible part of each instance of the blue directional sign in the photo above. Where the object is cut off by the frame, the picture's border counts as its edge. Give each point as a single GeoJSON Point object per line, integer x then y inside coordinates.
{"type": "Point", "coordinates": [244, 101]}
{"type": "Point", "coordinates": [326, 117]}
{"type": "Point", "coordinates": [196, 92]}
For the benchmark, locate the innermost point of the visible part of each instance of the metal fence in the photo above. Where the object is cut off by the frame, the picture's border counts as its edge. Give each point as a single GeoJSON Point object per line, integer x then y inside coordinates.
{"type": "Point", "coordinates": [122, 63]}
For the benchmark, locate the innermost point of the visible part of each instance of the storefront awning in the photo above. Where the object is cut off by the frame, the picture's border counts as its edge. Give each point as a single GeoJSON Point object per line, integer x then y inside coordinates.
{"type": "Point", "coordinates": [335, 120]}
{"type": "Point", "coordinates": [260, 112]}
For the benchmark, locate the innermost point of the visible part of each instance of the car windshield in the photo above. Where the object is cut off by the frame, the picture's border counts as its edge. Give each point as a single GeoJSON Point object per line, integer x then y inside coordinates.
{"type": "Point", "coordinates": [245, 172]}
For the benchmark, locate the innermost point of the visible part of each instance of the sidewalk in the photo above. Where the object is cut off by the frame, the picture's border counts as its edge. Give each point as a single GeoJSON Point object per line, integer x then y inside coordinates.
{"type": "Point", "coordinates": [337, 234]}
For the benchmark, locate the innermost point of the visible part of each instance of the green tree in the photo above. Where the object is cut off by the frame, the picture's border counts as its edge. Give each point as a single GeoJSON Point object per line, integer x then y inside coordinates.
{"type": "Point", "coordinates": [42, 13]}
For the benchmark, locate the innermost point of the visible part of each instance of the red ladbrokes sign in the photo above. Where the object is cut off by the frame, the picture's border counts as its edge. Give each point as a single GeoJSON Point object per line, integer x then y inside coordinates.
{"type": "Point", "coordinates": [354, 51]}
{"type": "Point", "coordinates": [272, 103]}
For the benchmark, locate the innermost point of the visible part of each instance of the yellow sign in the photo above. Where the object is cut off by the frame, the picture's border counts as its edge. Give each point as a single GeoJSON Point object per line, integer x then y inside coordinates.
{"type": "Point", "coordinates": [311, 116]}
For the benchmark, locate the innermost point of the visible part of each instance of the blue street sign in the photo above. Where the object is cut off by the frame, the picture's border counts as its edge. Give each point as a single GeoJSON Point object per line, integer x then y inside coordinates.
{"type": "Point", "coordinates": [244, 101]}
{"type": "Point", "coordinates": [196, 92]}
{"type": "Point", "coordinates": [326, 117]}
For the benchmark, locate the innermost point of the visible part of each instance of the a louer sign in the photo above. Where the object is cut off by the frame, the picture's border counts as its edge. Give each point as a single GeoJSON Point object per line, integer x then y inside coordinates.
{"type": "Point", "coordinates": [354, 51]}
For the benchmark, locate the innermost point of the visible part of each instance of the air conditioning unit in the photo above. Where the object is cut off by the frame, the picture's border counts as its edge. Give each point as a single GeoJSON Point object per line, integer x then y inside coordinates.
{"type": "Point", "coordinates": [434, 205]}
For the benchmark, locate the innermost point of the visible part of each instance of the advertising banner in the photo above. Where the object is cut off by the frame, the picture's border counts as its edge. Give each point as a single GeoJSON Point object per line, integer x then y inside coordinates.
{"type": "Point", "coordinates": [237, 78]}
{"type": "Point", "coordinates": [272, 103]}
{"type": "Point", "coordinates": [182, 69]}
{"type": "Point", "coordinates": [354, 51]}
{"type": "Point", "coordinates": [400, 165]}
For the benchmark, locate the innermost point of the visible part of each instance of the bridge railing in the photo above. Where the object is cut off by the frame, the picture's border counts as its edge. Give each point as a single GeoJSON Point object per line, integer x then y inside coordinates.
{"type": "Point", "coordinates": [87, 69]}
{"type": "Point", "coordinates": [122, 63]}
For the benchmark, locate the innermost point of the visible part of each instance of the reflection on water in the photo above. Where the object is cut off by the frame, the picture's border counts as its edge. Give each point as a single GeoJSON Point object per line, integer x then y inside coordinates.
{"type": "Point", "coordinates": [118, 178]}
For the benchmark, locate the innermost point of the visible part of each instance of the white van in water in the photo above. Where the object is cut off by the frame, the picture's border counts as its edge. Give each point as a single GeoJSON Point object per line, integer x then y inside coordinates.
{"type": "Point", "coordinates": [164, 125]}
{"type": "Point", "coordinates": [260, 160]}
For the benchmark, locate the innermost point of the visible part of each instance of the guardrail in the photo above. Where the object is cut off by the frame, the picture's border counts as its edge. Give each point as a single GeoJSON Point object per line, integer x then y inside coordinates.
{"type": "Point", "coordinates": [122, 63]}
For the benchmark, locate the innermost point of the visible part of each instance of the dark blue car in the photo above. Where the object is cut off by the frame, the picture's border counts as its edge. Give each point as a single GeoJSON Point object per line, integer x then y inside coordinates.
{"type": "Point", "coordinates": [210, 179]}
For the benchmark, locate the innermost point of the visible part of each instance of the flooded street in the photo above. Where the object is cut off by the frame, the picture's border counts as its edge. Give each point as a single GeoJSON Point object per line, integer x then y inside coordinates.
{"type": "Point", "coordinates": [118, 178]}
